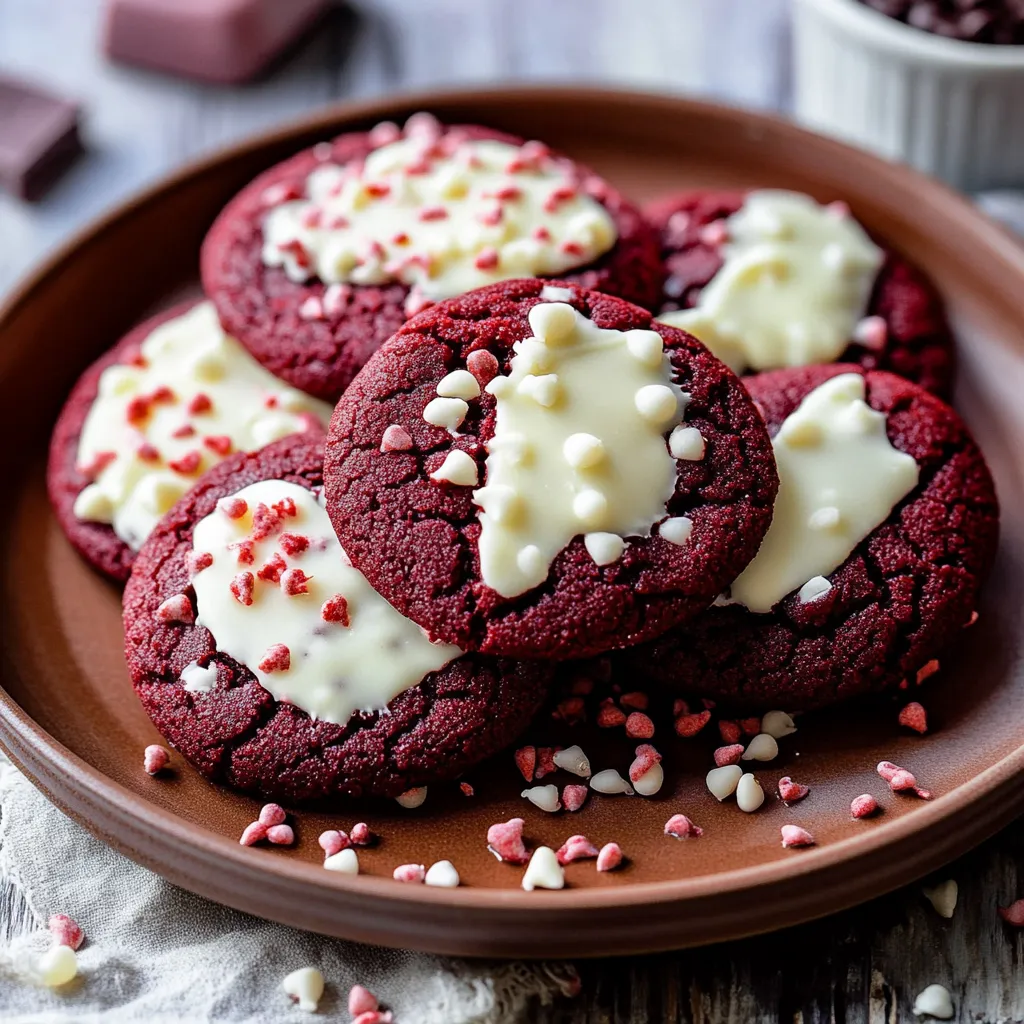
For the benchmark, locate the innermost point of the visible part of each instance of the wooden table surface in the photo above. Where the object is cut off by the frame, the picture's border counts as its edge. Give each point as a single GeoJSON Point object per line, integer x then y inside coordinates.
{"type": "Point", "coordinates": [865, 965]}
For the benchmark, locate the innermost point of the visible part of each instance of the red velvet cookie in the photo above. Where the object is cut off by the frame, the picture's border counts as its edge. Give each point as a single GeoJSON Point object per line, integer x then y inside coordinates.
{"type": "Point", "coordinates": [96, 539]}
{"type": "Point", "coordinates": [318, 337]}
{"type": "Point", "coordinates": [916, 342]}
{"type": "Point", "coordinates": [399, 488]}
{"type": "Point", "coordinates": [215, 712]}
{"type": "Point", "coordinates": [893, 605]}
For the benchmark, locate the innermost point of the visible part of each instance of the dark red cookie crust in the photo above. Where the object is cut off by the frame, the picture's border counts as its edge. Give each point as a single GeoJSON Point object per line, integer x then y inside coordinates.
{"type": "Point", "coordinates": [919, 345]}
{"type": "Point", "coordinates": [259, 305]}
{"type": "Point", "coordinates": [95, 542]}
{"type": "Point", "coordinates": [416, 540]}
{"type": "Point", "coordinates": [895, 603]}
{"type": "Point", "coordinates": [238, 734]}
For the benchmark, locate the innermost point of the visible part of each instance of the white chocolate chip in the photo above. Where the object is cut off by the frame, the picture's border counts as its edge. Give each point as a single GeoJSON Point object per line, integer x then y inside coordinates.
{"type": "Point", "coordinates": [651, 781]}
{"type": "Point", "coordinates": [531, 563]}
{"type": "Point", "coordinates": [722, 782]}
{"type": "Point", "coordinates": [778, 724]}
{"type": "Point", "coordinates": [446, 412]}
{"type": "Point", "coordinates": [57, 966]}
{"type": "Point", "coordinates": [543, 871]}
{"type": "Point", "coordinates": [610, 782]}
{"type": "Point", "coordinates": [412, 798]}
{"type": "Point", "coordinates": [443, 875]}
{"type": "Point", "coordinates": [645, 346]}
{"type": "Point", "coordinates": [604, 548]}
{"type": "Point", "coordinates": [544, 797]}
{"type": "Point", "coordinates": [827, 518]}
{"type": "Point", "coordinates": [543, 389]}
{"type": "Point", "coordinates": [199, 680]}
{"type": "Point", "coordinates": [934, 1001]}
{"type": "Point", "coordinates": [676, 530]}
{"type": "Point", "coordinates": [749, 794]}
{"type": "Point", "coordinates": [458, 468]}
{"type": "Point", "coordinates": [657, 403]}
{"type": "Point", "coordinates": [815, 587]}
{"type": "Point", "coordinates": [686, 443]}
{"type": "Point", "coordinates": [555, 322]}
{"type": "Point", "coordinates": [346, 861]}
{"type": "Point", "coordinates": [590, 507]}
{"type": "Point", "coordinates": [306, 986]}
{"type": "Point", "coordinates": [459, 384]}
{"type": "Point", "coordinates": [93, 506]}
{"type": "Point", "coordinates": [583, 451]}
{"type": "Point", "coordinates": [943, 897]}
{"type": "Point", "coordinates": [761, 748]}
{"type": "Point", "coordinates": [572, 759]}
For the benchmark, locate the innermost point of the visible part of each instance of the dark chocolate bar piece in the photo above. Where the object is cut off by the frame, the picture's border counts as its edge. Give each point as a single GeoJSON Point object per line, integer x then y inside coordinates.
{"type": "Point", "coordinates": [38, 137]}
{"type": "Point", "coordinates": [214, 40]}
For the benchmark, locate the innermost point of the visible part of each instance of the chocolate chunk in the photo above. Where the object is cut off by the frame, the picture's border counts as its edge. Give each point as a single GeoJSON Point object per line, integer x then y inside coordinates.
{"type": "Point", "coordinates": [214, 40]}
{"type": "Point", "coordinates": [38, 137]}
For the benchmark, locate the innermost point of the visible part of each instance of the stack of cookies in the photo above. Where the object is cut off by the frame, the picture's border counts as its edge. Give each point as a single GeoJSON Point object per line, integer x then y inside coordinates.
{"type": "Point", "coordinates": [443, 423]}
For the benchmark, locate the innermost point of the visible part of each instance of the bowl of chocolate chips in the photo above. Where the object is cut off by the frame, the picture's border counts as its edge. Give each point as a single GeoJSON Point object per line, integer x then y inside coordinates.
{"type": "Point", "coordinates": [935, 83]}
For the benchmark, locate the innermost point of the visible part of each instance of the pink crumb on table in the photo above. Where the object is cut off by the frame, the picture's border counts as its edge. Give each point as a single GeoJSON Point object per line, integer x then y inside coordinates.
{"type": "Point", "coordinates": [679, 826]}
{"type": "Point", "coordinates": [795, 836]}
{"type": "Point", "coordinates": [333, 841]}
{"type": "Point", "coordinates": [729, 731]}
{"type": "Point", "coordinates": [272, 814]}
{"type": "Point", "coordinates": [914, 716]}
{"type": "Point", "coordinates": [526, 762]}
{"type": "Point", "coordinates": [65, 930]}
{"type": "Point", "coordinates": [281, 835]}
{"type": "Point", "coordinates": [1013, 914]}
{"type": "Point", "coordinates": [574, 797]}
{"type": "Point", "coordinates": [610, 717]}
{"type": "Point", "coordinates": [505, 841]}
{"type": "Point", "coordinates": [546, 761]}
{"type": "Point", "coordinates": [609, 857]}
{"type": "Point", "coordinates": [155, 758]}
{"type": "Point", "coordinates": [361, 1000]}
{"type": "Point", "coordinates": [691, 724]}
{"type": "Point", "coordinates": [863, 806]}
{"type": "Point", "coordinates": [253, 833]}
{"type": "Point", "coordinates": [791, 791]}
{"type": "Point", "coordinates": [639, 726]}
{"type": "Point", "coordinates": [409, 873]}
{"type": "Point", "coordinates": [729, 755]}
{"type": "Point", "coordinates": [361, 835]}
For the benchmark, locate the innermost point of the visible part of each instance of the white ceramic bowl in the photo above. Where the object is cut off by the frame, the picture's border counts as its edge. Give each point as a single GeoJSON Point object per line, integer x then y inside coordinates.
{"type": "Point", "coordinates": [950, 108]}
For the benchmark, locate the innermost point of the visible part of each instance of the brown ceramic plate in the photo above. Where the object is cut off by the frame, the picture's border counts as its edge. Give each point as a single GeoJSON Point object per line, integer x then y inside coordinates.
{"type": "Point", "coordinates": [69, 719]}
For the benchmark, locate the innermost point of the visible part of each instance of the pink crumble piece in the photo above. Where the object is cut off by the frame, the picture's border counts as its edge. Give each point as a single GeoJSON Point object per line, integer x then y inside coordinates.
{"type": "Point", "coordinates": [635, 700]}
{"type": "Point", "coordinates": [335, 609]}
{"type": "Point", "coordinates": [639, 726]}
{"type": "Point", "coordinates": [728, 755]}
{"type": "Point", "coordinates": [691, 724]}
{"type": "Point", "coordinates": [429, 213]}
{"type": "Point", "coordinates": [185, 430]}
{"type": "Point", "coordinates": [270, 571]}
{"type": "Point", "coordinates": [572, 711]}
{"type": "Point", "coordinates": [281, 835]}
{"type": "Point", "coordinates": [148, 452]}
{"type": "Point", "coordinates": [750, 726]}
{"type": "Point", "coordinates": [483, 365]}
{"type": "Point", "coordinates": [233, 508]}
{"type": "Point", "coordinates": [245, 553]}
{"type": "Point", "coordinates": [971, 621]}
{"type": "Point", "coordinates": [281, 192]}
{"type": "Point", "coordinates": [505, 841]}
{"type": "Point", "coordinates": [574, 797]}
{"type": "Point", "coordinates": [863, 806]}
{"type": "Point", "coordinates": [486, 259]}
{"type": "Point", "coordinates": [99, 463]}
{"type": "Point", "coordinates": [381, 134]}
{"type": "Point", "coordinates": [679, 826]}
{"type": "Point", "coordinates": [197, 561]}
{"type": "Point", "coordinates": [241, 588]}
{"type": "Point", "coordinates": [610, 717]}
{"type": "Point", "coordinates": [791, 791]}
{"type": "Point", "coordinates": [155, 758]}
{"type": "Point", "coordinates": [276, 659]}
{"type": "Point", "coordinates": [334, 299]}
{"type": "Point", "coordinates": [333, 841]}
{"type": "Point", "coordinates": [914, 716]}
{"type": "Point", "coordinates": [395, 439]}
{"type": "Point", "coordinates": [1013, 914]}
{"type": "Point", "coordinates": [265, 522]}
{"type": "Point", "coordinates": [286, 508]}
{"type": "Point", "coordinates": [312, 308]}
{"type": "Point", "coordinates": [361, 1000]}
{"type": "Point", "coordinates": [188, 464]}
{"type": "Point", "coordinates": [546, 761]}
{"type": "Point", "coordinates": [361, 835]}
{"type": "Point", "coordinates": [272, 814]}
{"type": "Point", "coordinates": [374, 1017]}
{"type": "Point", "coordinates": [293, 582]}
{"type": "Point", "coordinates": [714, 234]}
{"type": "Point", "coordinates": [646, 758]}
{"type": "Point", "coordinates": [526, 762]}
{"type": "Point", "coordinates": [66, 931]}
{"type": "Point", "coordinates": [219, 444]}
{"type": "Point", "coordinates": [253, 833]}
{"type": "Point", "coordinates": [927, 670]}
{"type": "Point", "coordinates": [293, 544]}
{"type": "Point", "coordinates": [609, 857]}
{"type": "Point", "coordinates": [871, 332]}
{"type": "Point", "coordinates": [409, 873]}
{"type": "Point", "coordinates": [575, 848]}
{"type": "Point", "coordinates": [729, 731]}
{"type": "Point", "coordinates": [467, 789]}
{"type": "Point", "coordinates": [899, 779]}
{"type": "Point", "coordinates": [794, 835]}
{"type": "Point", "coordinates": [176, 609]}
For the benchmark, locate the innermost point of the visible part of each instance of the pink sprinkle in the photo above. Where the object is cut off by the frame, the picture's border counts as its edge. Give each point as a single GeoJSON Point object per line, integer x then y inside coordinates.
{"type": "Point", "coordinates": [280, 192]}
{"type": "Point", "coordinates": [1013, 914]}
{"type": "Point", "coordinates": [381, 134]}
{"type": "Point", "coordinates": [185, 430]}
{"type": "Point", "coordinates": [714, 234]}
{"type": "Point", "coordinates": [729, 731]}
{"type": "Point", "coordinates": [188, 464]}
{"type": "Point", "coordinates": [927, 670]}
{"type": "Point", "coordinates": [422, 125]}
{"type": "Point", "coordinates": [526, 761]}
{"type": "Point", "coordinates": [265, 522]}
{"type": "Point", "coordinates": [176, 609]}
{"type": "Point", "coordinates": [679, 826]}
{"type": "Point", "coordinates": [281, 835]}
{"type": "Point", "coordinates": [148, 452]}
{"type": "Point", "coordinates": [200, 403]}
{"type": "Point", "coordinates": [335, 609]}
{"type": "Point", "coordinates": [690, 725]}
{"type": "Point", "coordinates": [559, 196]}
{"type": "Point", "coordinates": [791, 791]}
{"type": "Point", "coordinates": [899, 779]}
{"type": "Point", "coordinates": [253, 833]}
{"type": "Point", "coordinates": [293, 582]}
{"type": "Point", "coordinates": [241, 588]}
{"type": "Point", "coordinates": [730, 754]}
{"type": "Point", "coordinates": [285, 508]}
{"type": "Point", "coordinates": [429, 213]}
{"type": "Point", "coordinates": [491, 217]}
{"type": "Point", "coordinates": [639, 726]}
{"type": "Point", "coordinates": [65, 931]}
{"type": "Point", "coordinates": [542, 234]}
{"type": "Point", "coordinates": [233, 508]}
{"type": "Point", "coordinates": [297, 251]}
{"type": "Point", "coordinates": [609, 717]}
{"type": "Point", "coordinates": [546, 761]}
{"type": "Point", "coordinates": [276, 659]}
{"type": "Point", "coordinates": [636, 700]}
{"type": "Point", "coordinates": [794, 835]}
{"type": "Point", "coordinates": [483, 365]}
{"type": "Point", "coordinates": [312, 308]}
{"type": "Point", "coordinates": [409, 873]}
{"type": "Point", "coordinates": [270, 571]}
{"type": "Point", "coordinates": [837, 208]}
{"type": "Point", "coordinates": [219, 444]}
{"type": "Point", "coordinates": [871, 332]}
{"type": "Point", "coordinates": [396, 439]}
{"type": "Point", "coordinates": [887, 769]}
{"type": "Point", "coordinates": [574, 797]}
{"type": "Point", "coordinates": [374, 1017]}
{"type": "Point", "coordinates": [750, 726]}
{"type": "Point", "coordinates": [505, 841]}
{"type": "Point", "coordinates": [272, 814]}
{"type": "Point", "coordinates": [646, 758]}
{"type": "Point", "coordinates": [293, 543]}
{"type": "Point", "coordinates": [334, 298]}
{"type": "Point", "coordinates": [609, 858]}
{"type": "Point", "coordinates": [486, 259]}
{"type": "Point", "coordinates": [155, 758]}
{"type": "Point", "coordinates": [333, 841]}
{"type": "Point", "coordinates": [466, 788]}
{"type": "Point", "coordinates": [575, 848]}
{"type": "Point", "coordinates": [138, 409]}
{"type": "Point", "coordinates": [863, 806]}
{"type": "Point", "coordinates": [246, 555]}
{"type": "Point", "coordinates": [914, 716]}
{"type": "Point", "coordinates": [572, 248]}
{"type": "Point", "coordinates": [361, 1000]}
{"type": "Point", "coordinates": [361, 835]}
